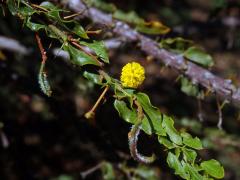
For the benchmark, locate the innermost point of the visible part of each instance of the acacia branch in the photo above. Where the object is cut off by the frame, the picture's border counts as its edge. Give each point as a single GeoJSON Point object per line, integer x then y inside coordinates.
{"type": "Point", "coordinates": [224, 88]}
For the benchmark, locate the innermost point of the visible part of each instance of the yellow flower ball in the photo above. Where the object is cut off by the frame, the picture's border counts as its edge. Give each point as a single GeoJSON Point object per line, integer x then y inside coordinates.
{"type": "Point", "coordinates": [133, 75]}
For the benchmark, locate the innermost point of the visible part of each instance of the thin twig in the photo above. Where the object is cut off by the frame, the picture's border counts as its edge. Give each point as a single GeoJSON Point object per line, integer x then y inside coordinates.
{"type": "Point", "coordinates": [220, 118]}
{"type": "Point", "coordinates": [39, 7]}
{"type": "Point", "coordinates": [84, 174]}
{"type": "Point", "coordinates": [73, 15]}
{"type": "Point", "coordinates": [90, 114]}
{"type": "Point", "coordinates": [94, 32]}
{"type": "Point", "coordinates": [43, 52]}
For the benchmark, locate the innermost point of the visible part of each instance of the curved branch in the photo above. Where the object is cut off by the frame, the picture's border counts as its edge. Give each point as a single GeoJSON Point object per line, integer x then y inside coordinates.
{"type": "Point", "coordinates": [224, 88]}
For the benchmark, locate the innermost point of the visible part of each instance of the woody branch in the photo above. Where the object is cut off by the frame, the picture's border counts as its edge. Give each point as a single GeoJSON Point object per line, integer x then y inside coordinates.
{"type": "Point", "coordinates": [224, 88]}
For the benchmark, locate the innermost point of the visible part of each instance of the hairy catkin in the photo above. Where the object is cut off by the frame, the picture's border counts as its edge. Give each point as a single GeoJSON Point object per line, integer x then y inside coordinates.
{"type": "Point", "coordinates": [132, 140]}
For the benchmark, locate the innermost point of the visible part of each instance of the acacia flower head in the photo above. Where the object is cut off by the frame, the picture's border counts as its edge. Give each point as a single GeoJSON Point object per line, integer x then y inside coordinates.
{"type": "Point", "coordinates": [133, 75]}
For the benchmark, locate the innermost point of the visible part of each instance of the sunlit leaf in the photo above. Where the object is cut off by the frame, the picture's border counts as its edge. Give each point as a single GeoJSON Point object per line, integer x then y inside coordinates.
{"type": "Point", "coordinates": [174, 163]}
{"type": "Point", "coordinates": [194, 143]}
{"type": "Point", "coordinates": [124, 112]}
{"type": "Point", "coordinates": [166, 142]}
{"type": "Point", "coordinates": [213, 168]}
{"type": "Point", "coordinates": [171, 131]}
{"type": "Point", "coordinates": [189, 155]}
{"type": "Point", "coordinates": [192, 171]}
{"type": "Point", "coordinates": [152, 112]}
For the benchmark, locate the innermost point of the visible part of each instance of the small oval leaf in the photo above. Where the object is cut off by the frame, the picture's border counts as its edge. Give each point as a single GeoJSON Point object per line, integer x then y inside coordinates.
{"type": "Point", "coordinates": [213, 168]}
{"type": "Point", "coordinates": [99, 48]}
{"type": "Point", "coordinates": [194, 143]}
{"type": "Point", "coordinates": [79, 57]}
{"type": "Point", "coordinates": [171, 131]}
{"type": "Point", "coordinates": [131, 116]}
{"type": "Point", "coordinates": [199, 56]}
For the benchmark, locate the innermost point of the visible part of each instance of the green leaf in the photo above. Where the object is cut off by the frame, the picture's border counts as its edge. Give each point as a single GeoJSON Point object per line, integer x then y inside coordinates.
{"type": "Point", "coordinates": [189, 155]}
{"type": "Point", "coordinates": [178, 44]}
{"type": "Point", "coordinates": [166, 142]}
{"type": "Point", "coordinates": [99, 48]}
{"type": "Point", "coordinates": [108, 171]}
{"type": "Point", "coordinates": [192, 171]}
{"type": "Point", "coordinates": [174, 163]}
{"type": "Point", "coordinates": [146, 172]}
{"type": "Point", "coordinates": [108, 7]}
{"type": "Point", "coordinates": [79, 57]}
{"type": "Point", "coordinates": [124, 112]}
{"type": "Point", "coordinates": [43, 82]}
{"type": "Point", "coordinates": [79, 30]}
{"type": "Point", "coordinates": [34, 26]}
{"type": "Point", "coordinates": [199, 56]}
{"type": "Point", "coordinates": [95, 78]}
{"type": "Point", "coordinates": [12, 6]}
{"type": "Point", "coordinates": [188, 87]}
{"type": "Point", "coordinates": [152, 112]}
{"type": "Point", "coordinates": [171, 131]}
{"type": "Point", "coordinates": [213, 168]}
{"type": "Point", "coordinates": [56, 33]}
{"type": "Point", "coordinates": [53, 12]}
{"type": "Point", "coordinates": [130, 17]}
{"type": "Point", "coordinates": [153, 27]}
{"type": "Point", "coordinates": [123, 93]}
{"type": "Point", "coordinates": [146, 126]}
{"type": "Point", "coordinates": [131, 116]}
{"type": "Point", "coordinates": [194, 143]}
{"type": "Point", "coordinates": [26, 11]}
